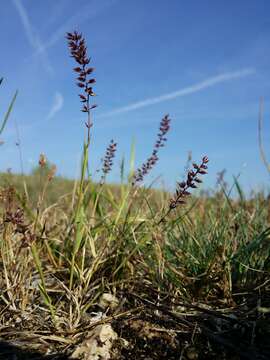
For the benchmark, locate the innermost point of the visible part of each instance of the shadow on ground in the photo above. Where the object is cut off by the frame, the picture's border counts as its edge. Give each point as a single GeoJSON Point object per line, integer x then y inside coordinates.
{"type": "Point", "coordinates": [11, 352]}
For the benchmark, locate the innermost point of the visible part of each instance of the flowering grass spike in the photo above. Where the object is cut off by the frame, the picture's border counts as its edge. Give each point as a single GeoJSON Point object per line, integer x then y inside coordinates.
{"type": "Point", "coordinates": [85, 82]}
{"type": "Point", "coordinates": [152, 160]}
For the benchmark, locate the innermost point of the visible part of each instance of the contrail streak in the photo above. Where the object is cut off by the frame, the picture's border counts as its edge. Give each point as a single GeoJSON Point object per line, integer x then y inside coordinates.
{"type": "Point", "coordinates": [182, 92]}
{"type": "Point", "coordinates": [90, 11]}
{"type": "Point", "coordinates": [31, 34]}
{"type": "Point", "coordinates": [58, 103]}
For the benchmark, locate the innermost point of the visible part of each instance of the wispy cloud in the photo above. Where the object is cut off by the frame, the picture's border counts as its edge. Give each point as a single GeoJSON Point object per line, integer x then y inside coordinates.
{"type": "Point", "coordinates": [89, 11]}
{"type": "Point", "coordinates": [57, 105]}
{"type": "Point", "coordinates": [182, 92]}
{"type": "Point", "coordinates": [31, 34]}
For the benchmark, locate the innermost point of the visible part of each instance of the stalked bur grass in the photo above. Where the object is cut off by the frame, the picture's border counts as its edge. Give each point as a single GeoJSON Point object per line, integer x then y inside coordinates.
{"type": "Point", "coordinates": [146, 167]}
{"type": "Point", "coordinates": [107, 163]}
{"type": "Point", "coordinates": [140, 173]}
{"type": "Point", "coordinates": [182, 189]}
{"type": "Point", "coordinates": [103, 238]}
{"type": "Point", "coordinates": [108, 160]}
{"type": "Point", "coordinates": [136, 177]}
{"type": "Point", "coordinates": [78, 51]}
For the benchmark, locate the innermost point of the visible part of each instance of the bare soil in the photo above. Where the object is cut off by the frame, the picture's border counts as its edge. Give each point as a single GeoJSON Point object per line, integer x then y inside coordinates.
{"type": "Point", "coordinates": [240, 330]}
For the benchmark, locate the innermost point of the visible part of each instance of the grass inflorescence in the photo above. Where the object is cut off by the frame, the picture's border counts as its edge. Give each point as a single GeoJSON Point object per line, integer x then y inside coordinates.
{"type": "Point", "coordinates": [66, 247]}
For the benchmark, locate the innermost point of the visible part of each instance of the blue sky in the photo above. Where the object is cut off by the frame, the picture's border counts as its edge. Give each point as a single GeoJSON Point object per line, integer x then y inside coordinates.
{"type": "Point", "coordinates": [206, 63]}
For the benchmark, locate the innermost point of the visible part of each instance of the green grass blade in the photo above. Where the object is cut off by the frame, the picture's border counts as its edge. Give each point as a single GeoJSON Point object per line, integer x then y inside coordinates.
{"type": "Point", "coordinates": [239, 190]}
{"type": "Point", "coordinates": [42, 285]}
{"type": "Point", "coordinates": [131, 160]}
{"type": "Point", "coordinates": [8, 112]}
